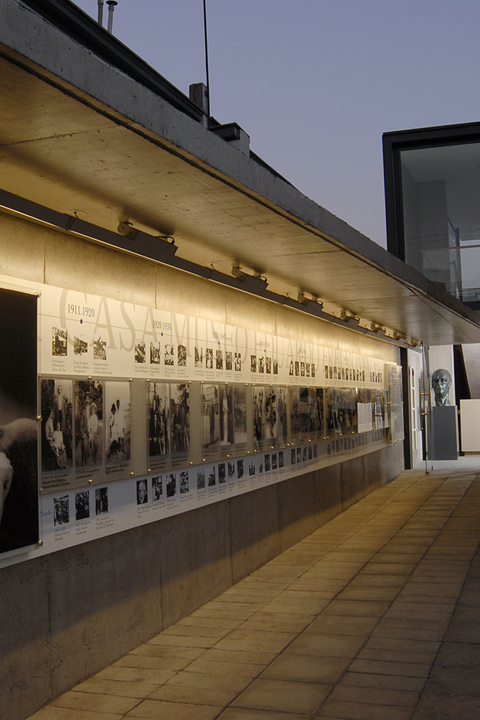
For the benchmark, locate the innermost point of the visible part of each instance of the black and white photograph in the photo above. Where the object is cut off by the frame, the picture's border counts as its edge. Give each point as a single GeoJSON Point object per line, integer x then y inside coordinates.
{"type": "Point", "coordinates": [118, 421]}
{"type": "Point", "coordinates": [219, 359]}
{"type": "Point", "coordinates": [239, 393]}
{"type": "Point", "coordinates": [140, 352]}
{"type": "Point", "coordinates": [209, 359]}
{"type": "Point", "coordinates": [82, 505]}
{"type": "Point", "coordinates": [80, 346]}
{"type": "Point", "coordinates": [59, 342]}
{"type": "Point", "coordinates": [89, 423]}
{"type": "Point", "coordinates": [184, 482]}
{"type": "Point", "coordinates": [142, 492]}
{"type": "Point", "coordinates": [198, 355]}
{"type": "Point", "coordinates": [226, 414]}
{"type": "Point", "coordinates": [238, 362]}
{"type": "Point", "coordinates": [231, 470]}
{"type": "Point", "coordinates": [240, 469]}
{"type": "Point", "coordinates": [99, 349]}
{"type": "Point", "coordinates": [200, 479]}
{"type": "Point", "coordinates": [155, 352]}
{"type": "Point", "coordinates": [182, 356]}
{"type": "Point", "coordinates": [18, 424]}
{"type": "Point", "coordinates": [101, 501]}
{"type": "Point", "coordinates": [228, 360]}
{"type": "Point", "coordinates": [221, 473]}
{"type": "Point", "coordinates": [169, 355]}
{"type": "Point", "coordinates": [264, 414]}
{"type": "Point", "coordinates": [61, 510]}
{"type": "Point", "coordinates": [180, 418]}
{"type": "Point", "coordinates": [210, 416]}
{"type": "Point", "coordinates": [340, 410]}
{"type": "Point", "coordinates": [158, 419]}
{"type": "Point", "coordinates": [306, 412]}
{"type": "Point", "coordinates": [157, 488]}
{"type": "Point", "coordinates": [57, 424]}
{"type": "Point", "coordinates": [212, 476]}
{"type": "Point", "coordinates": [282, 410]}
{"type": "Point", "coordinates": [171, 483]}
{"type": "Point", "coordinates": [253, 363]}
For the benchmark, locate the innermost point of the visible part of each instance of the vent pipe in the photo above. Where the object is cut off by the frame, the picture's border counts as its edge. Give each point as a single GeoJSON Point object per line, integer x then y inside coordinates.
{"type": "Point", "coordinates": [111, 7]}
{"type": "Point", "coordinates": [100, 4]}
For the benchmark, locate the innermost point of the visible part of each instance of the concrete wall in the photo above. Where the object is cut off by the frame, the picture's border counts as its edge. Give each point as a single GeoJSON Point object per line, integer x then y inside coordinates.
{"type": "Point", "coordinates": [67, 615]}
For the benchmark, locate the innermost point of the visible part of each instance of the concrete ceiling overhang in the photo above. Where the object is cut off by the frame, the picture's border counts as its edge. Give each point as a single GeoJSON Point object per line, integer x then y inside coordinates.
{"type": "Point", "coordinates": [82, 144]}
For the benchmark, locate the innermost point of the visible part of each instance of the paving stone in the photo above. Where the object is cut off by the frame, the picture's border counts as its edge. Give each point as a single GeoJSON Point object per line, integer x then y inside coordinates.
{"type": "Point", "coordinates": [362, 711]}
{"type": "Point", "coordinates": [454, 681]}
{"type": "Point", "coordinates": [383, 667]}
{"type": "Point", "coordinates": [360, 608]}
{"type": "Point", "coordinates": [56, 713]}
{"type": "Point", "coordinates": [391, 682]}
{"type": "Point", "coordinates": [404, 656]}
{"type": "Point", "coordinates": [95, 703]}
{"type": "Point", "coordinates": [342, 625]}
{"type": "Point", "coordinates": [376, 696]}
{"type": "Point", "coordinates": [249, 714]}
{"type": "Point", "coordinates": [306, 668]}
{"type": "Point", "coordinates": [155, 709]}
{"type": "Point", "coordinates": [344, 646]}
{"type": "Point", "coordinates": [286, 696]}
{"type": "Point", "coordinates": [368, 593]}
{"type": "Point", "coordinates": [433, 707]}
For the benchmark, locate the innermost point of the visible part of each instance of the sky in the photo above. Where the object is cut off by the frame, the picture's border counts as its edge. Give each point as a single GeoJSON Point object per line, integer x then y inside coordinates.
{"type": "Point", "coordinates": [315, 83]}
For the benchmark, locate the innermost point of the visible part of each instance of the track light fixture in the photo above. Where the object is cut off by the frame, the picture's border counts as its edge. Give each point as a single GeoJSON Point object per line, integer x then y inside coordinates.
{"type": "Point", "coordinates": [259, 282]}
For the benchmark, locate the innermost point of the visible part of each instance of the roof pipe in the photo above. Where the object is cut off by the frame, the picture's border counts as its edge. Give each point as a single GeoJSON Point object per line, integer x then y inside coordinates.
{"type": "Point", "coordinates": [100, 4]}
{"type": "Point", "coordinates": [111, 7]}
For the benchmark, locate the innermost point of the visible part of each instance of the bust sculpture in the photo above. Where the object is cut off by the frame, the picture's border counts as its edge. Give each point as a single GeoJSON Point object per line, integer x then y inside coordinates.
{"type": "Point", "coordinates": [441, 382]}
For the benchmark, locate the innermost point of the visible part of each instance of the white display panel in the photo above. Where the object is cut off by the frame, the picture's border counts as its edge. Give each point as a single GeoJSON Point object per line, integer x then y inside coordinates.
{"type": "Point", "coordinates": [144, 413]}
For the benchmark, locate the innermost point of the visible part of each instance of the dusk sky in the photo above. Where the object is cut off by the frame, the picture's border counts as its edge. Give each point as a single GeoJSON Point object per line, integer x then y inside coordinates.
{"type": "Point", "coordinates": [315, 83]}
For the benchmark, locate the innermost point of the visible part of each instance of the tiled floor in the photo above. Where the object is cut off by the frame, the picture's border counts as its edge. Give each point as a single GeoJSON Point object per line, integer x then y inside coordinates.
{"type": "Point", "coordinates": [375, 615]}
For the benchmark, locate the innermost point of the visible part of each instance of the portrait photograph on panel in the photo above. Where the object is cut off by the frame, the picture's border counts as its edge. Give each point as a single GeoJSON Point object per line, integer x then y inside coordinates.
{"type": "Point", "coordinates": [226, 414]}
{"type": "Point", "coordinates": [18, 425]}
{"type": "Point", "coordinates": [264, 414]}
{"type": "Point", "coordinates": [89, 423]}
{"type": "Point", "coordinates": [239, 394]}
{"type": "Point", "coordinates": [142, 492]}
{"type": "Point", "coordinates": [180, 418]}
{"type": "Point", "coordinates": [282, 430]}
{"type": "Point", "coordinates": [158, 419]}
{"type": "Point", "coordinates": [341, 410]}
{"type": "Point", "coordinates": [82, 505]}
{"type": "Point", "coordinates": [57, 424]}
{"type": "Point", "coordinates": [306, 412]}
{"type": "Point", "coordinates": [210, 416]}
{"type": "Point", "coordinates": [118, 421]}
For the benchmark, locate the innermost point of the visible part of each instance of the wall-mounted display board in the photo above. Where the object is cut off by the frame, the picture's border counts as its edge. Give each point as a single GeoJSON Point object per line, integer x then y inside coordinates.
{"type": "Point", "coordinates": [132, 414]}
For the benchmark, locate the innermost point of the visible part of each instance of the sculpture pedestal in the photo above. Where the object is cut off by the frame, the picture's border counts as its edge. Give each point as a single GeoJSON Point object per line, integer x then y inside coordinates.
{"type": "Point", "coordinates": [443, 435]}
